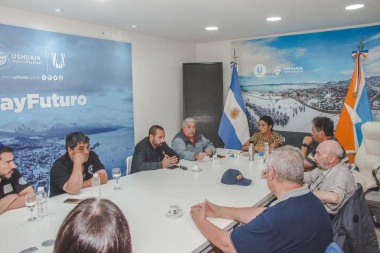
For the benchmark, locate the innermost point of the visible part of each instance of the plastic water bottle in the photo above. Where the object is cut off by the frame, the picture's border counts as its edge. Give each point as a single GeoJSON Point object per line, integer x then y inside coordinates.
{"type": "Point", "coordinates": [96, 190]}
{"type": "Point", "coordinates": [251, 151]}
{"type": "Point", "coordinates": [42, 203]}
{"type": "Point", "coordinates": [266, 154]}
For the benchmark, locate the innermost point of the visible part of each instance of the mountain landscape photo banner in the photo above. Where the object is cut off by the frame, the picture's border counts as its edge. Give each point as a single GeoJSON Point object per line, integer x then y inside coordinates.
{"type": "Point", "coordinates": [298, 77]}
{"type": "Point", "coordinates": [53, 84]}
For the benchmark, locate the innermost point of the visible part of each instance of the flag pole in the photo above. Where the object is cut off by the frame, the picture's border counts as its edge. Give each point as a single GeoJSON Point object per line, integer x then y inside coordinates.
{"type": "Point", "coordinates": [233, 127]}
{"type": "Point", "coordinates": [235, 58]}
{"type": "Point", "coordinates": [360, 47]}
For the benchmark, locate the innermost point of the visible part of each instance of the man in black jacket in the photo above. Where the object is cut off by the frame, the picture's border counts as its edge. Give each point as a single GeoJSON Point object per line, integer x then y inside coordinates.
{"type": "Point", "coordinates": [153, 153]}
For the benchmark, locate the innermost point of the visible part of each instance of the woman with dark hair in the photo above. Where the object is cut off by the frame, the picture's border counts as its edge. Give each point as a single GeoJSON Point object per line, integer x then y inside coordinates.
{"type": "Point", "coordinates": [265, 134]}
{"type": "Point", "coordinates": [94, 225]}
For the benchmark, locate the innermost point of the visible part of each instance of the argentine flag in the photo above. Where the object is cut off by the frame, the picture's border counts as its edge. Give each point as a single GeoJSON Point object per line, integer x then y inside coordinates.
{"type": "Point", "coordinates": [233, 128]}
{"type": "Point", "coordinates": [356, 109]}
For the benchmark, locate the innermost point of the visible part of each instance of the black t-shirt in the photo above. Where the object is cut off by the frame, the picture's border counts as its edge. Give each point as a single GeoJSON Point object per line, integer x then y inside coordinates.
{"type": "Point", "coordinates": [15, 184]}
{"type": "Point", "coordinates": [63, 167]}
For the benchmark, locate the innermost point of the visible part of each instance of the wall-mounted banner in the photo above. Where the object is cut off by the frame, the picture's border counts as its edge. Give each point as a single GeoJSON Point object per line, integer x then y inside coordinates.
{"type": "Point", "coordinates": [53, 84]}
{"type": "Point", "coordinates": [298, 77]}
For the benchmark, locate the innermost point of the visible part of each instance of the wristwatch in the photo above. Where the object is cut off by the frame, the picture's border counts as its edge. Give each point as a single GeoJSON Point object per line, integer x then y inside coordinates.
{"type": "Point", "coordinates": [305, 145]}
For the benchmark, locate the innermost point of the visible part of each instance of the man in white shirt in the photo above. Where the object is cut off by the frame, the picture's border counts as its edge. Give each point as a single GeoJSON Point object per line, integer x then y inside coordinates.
{"type": "Point", "coordinates": [333, 182]}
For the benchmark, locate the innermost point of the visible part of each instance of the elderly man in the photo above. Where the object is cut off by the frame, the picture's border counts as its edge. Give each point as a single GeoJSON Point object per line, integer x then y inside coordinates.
{"type": "Point", "coordinates": [333, 183]}
{"type": "Point", "coordinates": [282, 227]}
{"type": "Point", "coordinates": [190, 144]}
{"type": "Point", "coordinates": [73, 171]}
{"type": "Point", "coordinates": [322, 129]}
{"type": "Point", "coordinates": [13, 186]}
{"type": "Point", "coordinates": [153, 153]}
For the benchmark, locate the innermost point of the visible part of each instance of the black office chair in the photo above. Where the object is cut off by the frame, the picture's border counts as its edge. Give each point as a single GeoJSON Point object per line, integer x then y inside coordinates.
{"type": "Point", "coordinates": [353, 228]}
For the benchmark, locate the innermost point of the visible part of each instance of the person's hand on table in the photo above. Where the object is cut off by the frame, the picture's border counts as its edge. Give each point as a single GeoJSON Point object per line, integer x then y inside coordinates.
{"type": "Point", "coordinates": [199, 156]}
{"type": "Point", "coordinates": [198, 211]}
{"type": "Point", "coordinates": [208, 152]}
{"type": "Point", "coordinates": [212, 210]}
{"type": "Point", "coordinates": [259, 149]}
{"type": "Point", "coordinates": [169, 161]}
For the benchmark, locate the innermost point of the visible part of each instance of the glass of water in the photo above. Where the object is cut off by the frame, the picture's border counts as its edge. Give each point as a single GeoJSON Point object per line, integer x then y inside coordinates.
{"type": "Point", "coordinates": [30, 202]}
{"type": "Point", "coordinates": [116, 174]}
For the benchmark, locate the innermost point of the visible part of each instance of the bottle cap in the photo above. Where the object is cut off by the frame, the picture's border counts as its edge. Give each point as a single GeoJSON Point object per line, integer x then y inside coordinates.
{"type": "Point", "coordinates": [40, 189]}
{"type": "Point", "coordinates": [95, 175]}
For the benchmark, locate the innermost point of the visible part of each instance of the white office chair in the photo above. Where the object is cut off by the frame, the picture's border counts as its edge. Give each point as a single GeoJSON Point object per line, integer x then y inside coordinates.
{"type": "Point", "coordinates": [129, 164]}
{"type": "Point", "coordinates": [367, 157]}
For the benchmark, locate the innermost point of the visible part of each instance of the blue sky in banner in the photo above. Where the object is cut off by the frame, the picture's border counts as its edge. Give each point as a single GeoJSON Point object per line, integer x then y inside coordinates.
{"type": "Point", "coordinates": [323, 56]}
{"type": "Point", "coordinates": [295, 78]}
{"type": "Point", "coordinates": [53, 84]}
{"type": "Point", "coordinates": [98, 69]}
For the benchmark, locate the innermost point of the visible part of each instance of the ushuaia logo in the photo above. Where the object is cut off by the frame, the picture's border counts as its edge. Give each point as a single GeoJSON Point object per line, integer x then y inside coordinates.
{"type": "Point", "coordinates": [26, 59]}
{"type": "Point", "coordinates": [260, 70]}
{"type": "Point", "coordinates": [293, 69]}
{"type": "Point", "coordinates": [4, 53]}
{"type": "Point", "coordinates": [57, 65]}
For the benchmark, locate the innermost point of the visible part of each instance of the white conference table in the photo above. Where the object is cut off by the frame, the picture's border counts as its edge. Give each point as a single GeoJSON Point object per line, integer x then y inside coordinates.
{"type": "Point", "coordinates": [145, 198]}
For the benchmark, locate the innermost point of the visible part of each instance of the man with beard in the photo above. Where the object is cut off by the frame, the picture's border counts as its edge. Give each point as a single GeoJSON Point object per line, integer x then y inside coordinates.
{"type": "Point", "coordinates": [13, 186]}
{"type": "Point", "coordinates": [73, 171]}
{"type": "Point", "coordinates": [153, 153]}
{"type": "Point", "coordinates": [333, 183]}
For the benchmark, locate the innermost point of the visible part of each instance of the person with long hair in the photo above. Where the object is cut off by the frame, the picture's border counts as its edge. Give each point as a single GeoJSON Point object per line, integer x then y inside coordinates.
{"type": "Point", "coordinates": [265, 134]}
{"type": "Point", "coordinates": [94, 226]}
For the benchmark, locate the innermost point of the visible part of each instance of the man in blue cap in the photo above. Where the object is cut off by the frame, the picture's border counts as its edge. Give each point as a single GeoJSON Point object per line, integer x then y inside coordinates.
{"type": "Point", "coordinates": [282, 227]}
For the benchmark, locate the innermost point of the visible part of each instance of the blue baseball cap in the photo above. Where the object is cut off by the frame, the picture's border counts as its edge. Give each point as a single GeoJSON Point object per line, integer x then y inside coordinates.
{"type": "Point", "coordinates": [233, 176]}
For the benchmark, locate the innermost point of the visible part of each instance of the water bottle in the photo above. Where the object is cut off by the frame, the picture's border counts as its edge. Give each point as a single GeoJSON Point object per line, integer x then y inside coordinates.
{"type": "Point", "coordinates": [42, 204]}
{"type": "Point", "coordinates": [266, 154]}
{"type": "Point", "coordinates": [251, 151]}
{"type": "Point", "coordinates": [96, 191]}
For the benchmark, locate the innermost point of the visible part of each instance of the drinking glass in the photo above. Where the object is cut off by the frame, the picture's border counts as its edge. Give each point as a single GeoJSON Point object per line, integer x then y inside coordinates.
{"type": "Point", "coordinates": [30, 202]}
{"type": "Point", "coordinates": [116, 174]}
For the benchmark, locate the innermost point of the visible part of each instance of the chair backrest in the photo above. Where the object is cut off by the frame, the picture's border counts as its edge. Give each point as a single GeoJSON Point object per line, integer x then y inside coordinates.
{"type": "Point", "coordinates": [333, 248]}
{"type": "Point", "coordinates": [353, 228]}
{"type": "Point", "coordinates": [129, 164]}
{"type": "Point", "coordinates": [368, 153]}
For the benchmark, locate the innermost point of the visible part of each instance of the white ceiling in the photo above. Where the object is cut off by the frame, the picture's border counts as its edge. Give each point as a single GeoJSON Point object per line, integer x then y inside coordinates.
{"type": "Point", "coordinates": [186, 20]}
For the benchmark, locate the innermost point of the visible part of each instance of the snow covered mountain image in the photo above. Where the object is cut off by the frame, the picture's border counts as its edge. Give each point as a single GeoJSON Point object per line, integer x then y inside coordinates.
{"type": "Point", "coordinates": [36, 151]}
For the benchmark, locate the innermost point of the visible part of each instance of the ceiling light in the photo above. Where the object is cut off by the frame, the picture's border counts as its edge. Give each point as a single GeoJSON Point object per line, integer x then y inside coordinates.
{"type": "Point", "coordinates": [134, 26]}
{"type": "Point", "coordinates": [354, 6]}
{"type": "Point", "coordinates": [274, 18]}
{"type": "Point", "coordinates": [211, 28]}
{"type": "Point", "coordinates": [58, 10]}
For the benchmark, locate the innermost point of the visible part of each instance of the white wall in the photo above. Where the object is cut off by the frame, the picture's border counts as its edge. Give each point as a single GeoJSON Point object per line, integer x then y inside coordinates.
{"type": "Point", "coordinates": [156, 67]}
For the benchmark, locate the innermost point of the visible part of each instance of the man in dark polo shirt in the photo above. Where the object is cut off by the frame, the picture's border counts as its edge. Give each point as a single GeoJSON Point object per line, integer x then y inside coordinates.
{"type": "Point", "coordinates": [283, 226]}
{"type": "Point", "coordinates": [13, 186]}
{"type": "Point", "coordinates": [152, 152]}
{"type": "Point", "coordinates": [73, 171]}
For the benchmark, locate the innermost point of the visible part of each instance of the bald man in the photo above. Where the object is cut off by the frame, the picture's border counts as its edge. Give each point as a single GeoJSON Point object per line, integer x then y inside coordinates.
{"type": "Point", "coordinates": [333, 183]}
